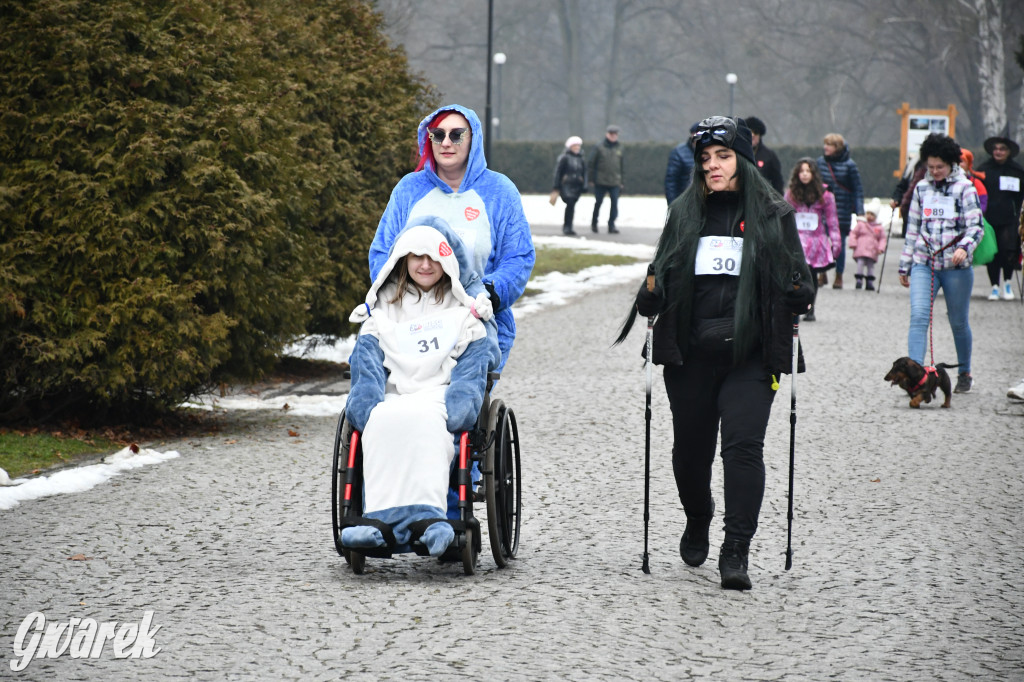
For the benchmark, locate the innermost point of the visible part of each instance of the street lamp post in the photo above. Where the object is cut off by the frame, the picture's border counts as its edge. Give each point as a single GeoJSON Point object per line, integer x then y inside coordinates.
{"type": "Point", "coordinates": [487, 108]}
{"type": "Point", "coordinates": [731, 79]}
{"type": "Point", "coordinates": [499, 59]}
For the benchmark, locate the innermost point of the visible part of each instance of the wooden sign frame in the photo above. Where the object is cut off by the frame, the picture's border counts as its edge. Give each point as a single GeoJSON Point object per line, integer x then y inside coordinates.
{"type": "Point", "coordinates": [916, 124]}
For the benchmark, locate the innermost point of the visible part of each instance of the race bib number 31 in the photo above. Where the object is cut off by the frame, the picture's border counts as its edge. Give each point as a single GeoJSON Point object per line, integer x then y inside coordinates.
{"type": "Point", "coordinates": [719, 256]}
{"type": "Point", "coordinates": [434, 335]}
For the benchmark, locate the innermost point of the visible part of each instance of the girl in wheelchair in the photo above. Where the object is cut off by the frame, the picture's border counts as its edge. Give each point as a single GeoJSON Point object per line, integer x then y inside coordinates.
{"type": "Point", "coordinates": [419, 372]}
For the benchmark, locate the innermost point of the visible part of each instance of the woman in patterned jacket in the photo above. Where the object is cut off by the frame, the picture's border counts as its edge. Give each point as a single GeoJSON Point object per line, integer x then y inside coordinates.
{"type": "Point", "coordinates": [943, 229]}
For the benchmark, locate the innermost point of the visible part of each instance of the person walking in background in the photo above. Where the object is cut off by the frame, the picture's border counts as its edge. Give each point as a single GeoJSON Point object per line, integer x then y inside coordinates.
{"type": "Point", "coordinates": [943, 230]}
{"type": "Point", "coordinates": [1004, 180]}
{"type": "Point", "coordinates": [605, 173]}
{"type": "Point", "coordinates": [729, 275]}
{"type": "Point", "coordinates": [868, 241]}
{"type": "Point", "coordinates": [680, 167]}
{"type": "Point", "coordinates": [912, 175]}
{"type": "Point", "coordinates": [976, 177]}
{"type": "Point", "coordinates": [570, 180]}
{"type": "Point", "coordinates": [840, 173]}
{"type": "Point", "coordinates": [815, 220]}
{"type": "Point", "coordinates": [767, 162]}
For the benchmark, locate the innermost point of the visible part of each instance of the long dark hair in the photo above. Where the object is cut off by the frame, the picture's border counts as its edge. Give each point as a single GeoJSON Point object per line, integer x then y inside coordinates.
{"type": "Point", "coordinates": [811, 193]}
{"type": "Point", "coordinates": [761, 211]}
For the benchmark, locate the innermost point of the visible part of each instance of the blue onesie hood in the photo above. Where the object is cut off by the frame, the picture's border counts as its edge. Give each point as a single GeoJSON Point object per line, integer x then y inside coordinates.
{"type": "Point", "coordinates": [476, 163]}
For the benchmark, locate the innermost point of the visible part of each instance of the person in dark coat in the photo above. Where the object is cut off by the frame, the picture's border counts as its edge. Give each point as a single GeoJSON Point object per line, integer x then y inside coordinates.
{"type": "Point", "coordinates": [605, 173]}
{"type": "Point", "coordinates": [767, 162]}
{"type": "Point", "coordinates": [729, 275]}
{"type": "Point", "coordinates": [570, 180]}
{"type": "Point", "coordinates": [1004, 180]}
{"type": "Point", "coordinates": [680, 167]}
{"type": "Point", "coordinates": [841, 175]}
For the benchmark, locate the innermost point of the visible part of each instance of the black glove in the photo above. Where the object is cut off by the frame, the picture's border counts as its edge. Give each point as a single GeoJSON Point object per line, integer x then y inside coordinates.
{"type": "Point", "coordinates": [798, 298]}
{"type": "Point", "coordinates": [650, 303]}
{"type": "Point", "coordinates": [495, 301]}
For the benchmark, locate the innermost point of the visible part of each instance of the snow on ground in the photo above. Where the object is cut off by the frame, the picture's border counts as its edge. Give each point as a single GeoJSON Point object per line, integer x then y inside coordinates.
{"type": "Point", "coordinates": [77, 479]}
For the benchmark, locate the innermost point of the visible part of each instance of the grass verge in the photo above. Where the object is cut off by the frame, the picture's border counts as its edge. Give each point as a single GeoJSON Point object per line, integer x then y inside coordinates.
{"type": "Point", "coordinates": [33, 452]}
{"type": "Point", "coordinates": [568, 261]}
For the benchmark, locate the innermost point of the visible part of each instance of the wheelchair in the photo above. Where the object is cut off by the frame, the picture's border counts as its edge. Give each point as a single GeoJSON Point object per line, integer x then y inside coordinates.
{"type": "Point", "coordinates": [493, 446]}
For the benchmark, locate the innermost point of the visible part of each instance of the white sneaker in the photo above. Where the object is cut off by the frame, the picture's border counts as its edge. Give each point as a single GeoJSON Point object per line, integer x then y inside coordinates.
{"type": "Point", "coordinates": [994, 296]}
{"type": "Point", "coordinates": [1007, 292]}
{"type": "Point", "coordinates": [1017, 391]}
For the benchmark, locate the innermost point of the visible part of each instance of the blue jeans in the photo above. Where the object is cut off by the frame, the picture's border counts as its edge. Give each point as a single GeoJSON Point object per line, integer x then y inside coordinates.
{"type": "Point", "coordinates": [613, 192]}
{"type": "Point", "coordinates": [957, 285]}
{"type": "Point", "coordinates": [841, 260]}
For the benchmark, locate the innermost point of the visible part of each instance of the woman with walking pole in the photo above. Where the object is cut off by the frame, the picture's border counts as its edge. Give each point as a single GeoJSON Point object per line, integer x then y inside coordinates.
{"type": "Point", "coordinates": [729, 275]}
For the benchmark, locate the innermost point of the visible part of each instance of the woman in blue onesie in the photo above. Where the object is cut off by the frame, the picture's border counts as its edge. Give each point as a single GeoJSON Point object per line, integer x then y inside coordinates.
{"type": "Point", "coordinates": [483, 207]}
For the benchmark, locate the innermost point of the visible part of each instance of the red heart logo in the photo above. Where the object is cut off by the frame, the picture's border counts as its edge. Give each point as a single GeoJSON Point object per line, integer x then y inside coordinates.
{"type": "Point", "coordinates": [472, 213]}
{"type": "Point", "coordinates": [444, 249]}
{"type": "Point", "coordinates": [927, 212]}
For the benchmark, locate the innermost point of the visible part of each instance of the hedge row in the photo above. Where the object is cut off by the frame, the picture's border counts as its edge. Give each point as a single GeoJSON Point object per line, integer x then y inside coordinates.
{"type": "Point", "coordinates": [531, 165]}
{"type": "Point", "coordinates": [183, 187]}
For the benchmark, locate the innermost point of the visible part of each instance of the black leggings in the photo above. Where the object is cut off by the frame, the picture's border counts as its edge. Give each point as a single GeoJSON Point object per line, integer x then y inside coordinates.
{"type": "Point", "coordinates": [702, 397]}
{"type": "Point", "coordinates": [1004, 261]}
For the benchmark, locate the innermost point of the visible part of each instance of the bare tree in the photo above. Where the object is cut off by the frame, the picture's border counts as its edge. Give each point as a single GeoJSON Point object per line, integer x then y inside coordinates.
{"type": "Point", "coordinates": [990, 65]}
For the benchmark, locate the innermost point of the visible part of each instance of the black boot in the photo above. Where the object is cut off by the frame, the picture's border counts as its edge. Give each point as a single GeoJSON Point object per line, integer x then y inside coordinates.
{"type": "Point", "coordinates": [568, 231]}
{"type": "Point", "coordinates": [860, 282]}
{"type": "Point", "coordinates": [870, 285]}
{"type": "Point", "coordinates": [612, 229]}
{"type": "Point", "coordinates": [694, 545]}
{"type": "Point", "coordinates": [732, 564]}
{"type": "Point", "coordinates": [593, 227]}
{"type": "Point", "coordinates": [809, 315]}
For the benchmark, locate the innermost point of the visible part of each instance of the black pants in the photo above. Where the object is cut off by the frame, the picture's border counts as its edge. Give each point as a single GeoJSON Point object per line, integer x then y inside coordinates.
{"type": "Point", "coordinates": [702, 398]}
{"type": "Point", "coordinates": [570, 211]}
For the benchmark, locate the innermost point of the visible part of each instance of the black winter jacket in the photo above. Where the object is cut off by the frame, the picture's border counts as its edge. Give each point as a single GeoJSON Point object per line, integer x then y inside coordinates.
{"type": "Point", "coordinates": [713, 297]}
{"type": "Point", "coordinates": [570, 176]}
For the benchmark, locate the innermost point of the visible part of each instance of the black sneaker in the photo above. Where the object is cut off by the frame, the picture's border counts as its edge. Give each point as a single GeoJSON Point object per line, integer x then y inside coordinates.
{"type": "Point", "coordinates": [612, 229]}
{"type": "Point", "coordinates": [694, 545]}
{"type": "Point", "coordinates": [964, 383]}
{"type": "Point", "coordinates": [809, 316]}
{"type": "Point", "coordinates": [593, 228]}
{"type": "Point", "coordinates": [732, 564]}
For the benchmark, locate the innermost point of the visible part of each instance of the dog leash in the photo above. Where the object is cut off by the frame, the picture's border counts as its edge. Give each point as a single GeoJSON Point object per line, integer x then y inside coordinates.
{"type": "Point", "coordinates": [931, 302]}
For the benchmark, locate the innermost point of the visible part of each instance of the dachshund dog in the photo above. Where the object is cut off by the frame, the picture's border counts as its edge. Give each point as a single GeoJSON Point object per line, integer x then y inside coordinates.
{"type": "Point", "coordinates": [919, 382]}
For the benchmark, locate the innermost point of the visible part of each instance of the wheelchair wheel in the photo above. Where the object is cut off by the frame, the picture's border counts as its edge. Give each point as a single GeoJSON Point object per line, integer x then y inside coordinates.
{"type": "Point", "coordinates": [502, 478]}
{"type": "Point", "coordinates": [338, 481]}
{"type": "Point", "coordinates": [469, 554]}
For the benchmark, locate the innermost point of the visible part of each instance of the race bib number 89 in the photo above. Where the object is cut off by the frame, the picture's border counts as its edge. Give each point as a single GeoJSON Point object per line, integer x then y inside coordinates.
{"type": "Point", "coordinates": [719, 256]}
{"type": "Point", "coordinates": [938, 208]}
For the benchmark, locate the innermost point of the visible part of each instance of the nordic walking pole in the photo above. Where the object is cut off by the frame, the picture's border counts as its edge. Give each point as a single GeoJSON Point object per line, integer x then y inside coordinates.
{"type": "Point", "coordinates": [792, 435]}
{"type": "Point", "coordinates": [649, 371]}
{"type": "Point", "coordinates": [885, 253]}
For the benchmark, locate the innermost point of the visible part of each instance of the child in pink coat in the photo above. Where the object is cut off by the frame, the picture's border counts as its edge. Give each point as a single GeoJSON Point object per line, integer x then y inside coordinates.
{"type": "Point", "coordinates": [867, 240]}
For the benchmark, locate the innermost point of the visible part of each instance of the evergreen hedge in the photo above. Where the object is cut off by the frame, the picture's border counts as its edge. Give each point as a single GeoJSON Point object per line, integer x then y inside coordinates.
{"type": "Point", "coordinates": [531, 165]}
{"type": "Point", "coordinates": [185, 187]}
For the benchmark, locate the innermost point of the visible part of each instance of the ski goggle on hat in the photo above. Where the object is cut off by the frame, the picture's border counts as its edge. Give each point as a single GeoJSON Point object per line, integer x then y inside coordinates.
{"type": "Point", "coordinates": [720, 129]}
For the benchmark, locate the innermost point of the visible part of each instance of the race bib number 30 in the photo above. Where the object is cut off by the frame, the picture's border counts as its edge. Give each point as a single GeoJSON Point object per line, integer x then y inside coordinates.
{"type": "Point", "coordinates": [938, 208]}
{"type": "Point", "coordinates": [719, 256]}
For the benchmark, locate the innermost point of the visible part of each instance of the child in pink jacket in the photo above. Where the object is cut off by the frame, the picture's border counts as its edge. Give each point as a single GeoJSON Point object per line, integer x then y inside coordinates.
{"type": "Point", "coordinates": [867, 240]}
